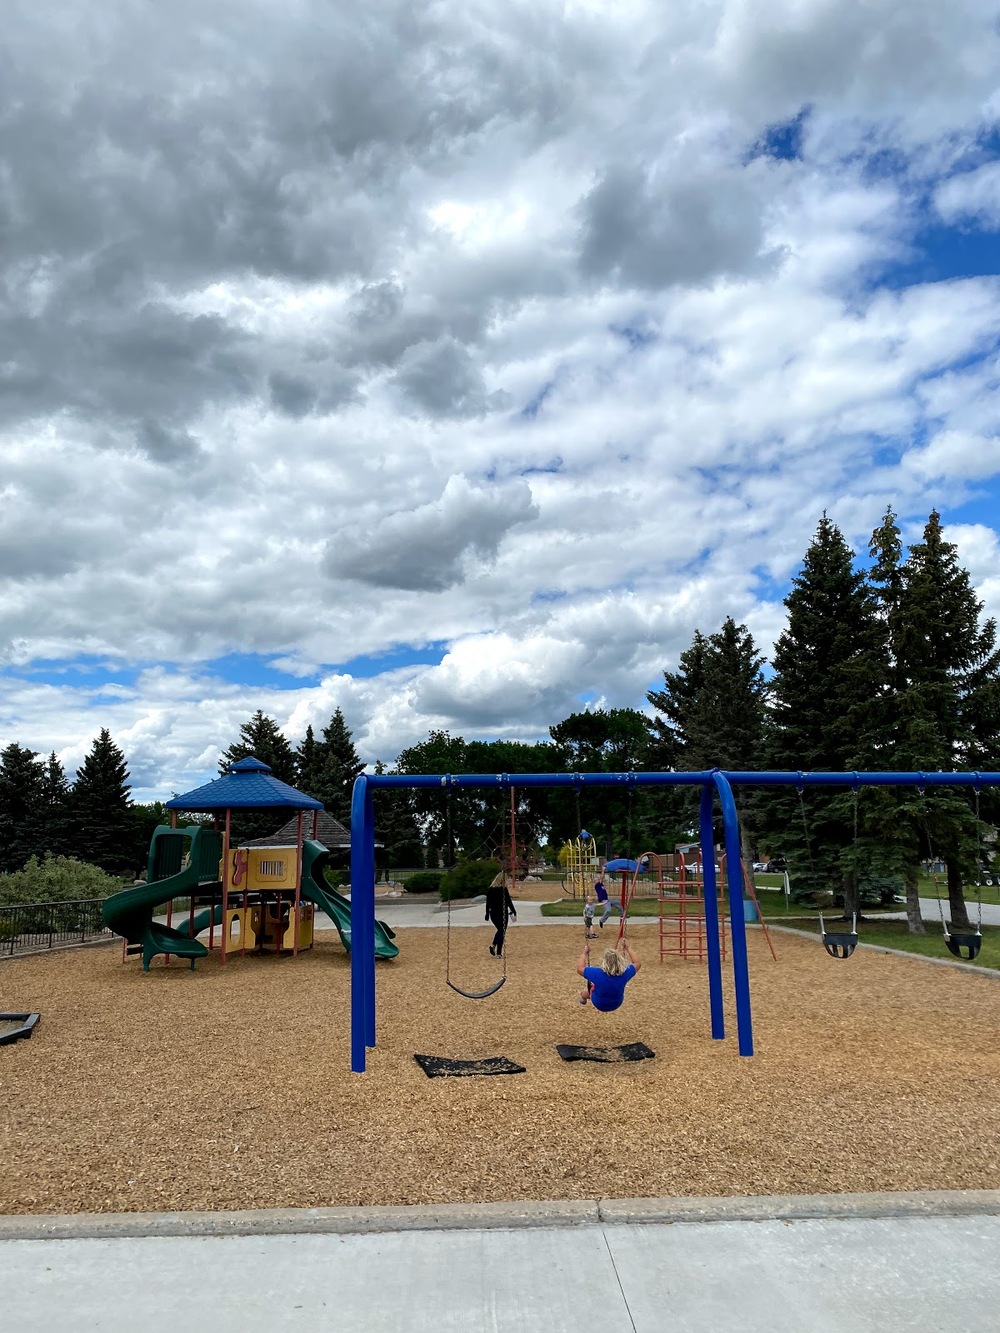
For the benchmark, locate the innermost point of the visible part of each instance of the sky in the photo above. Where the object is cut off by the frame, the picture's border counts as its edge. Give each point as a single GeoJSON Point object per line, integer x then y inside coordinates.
{"type": "Point", "coordinates": [452, 363]}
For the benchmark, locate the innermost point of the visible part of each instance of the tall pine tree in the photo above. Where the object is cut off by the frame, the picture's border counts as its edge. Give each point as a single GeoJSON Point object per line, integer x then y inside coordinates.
{"type": "Point", "coordinates": [828, 673]}
{"type": "Point", "coordinates": [714, 711]}
{"type": "Point", "coordinates": [22, 806]}
{"type": "Point", "coordinates": [261, 737]}
{"type": "Point", "coordinates": [101, 823]}
{"type": "Point", "coordinates": [339, 766]}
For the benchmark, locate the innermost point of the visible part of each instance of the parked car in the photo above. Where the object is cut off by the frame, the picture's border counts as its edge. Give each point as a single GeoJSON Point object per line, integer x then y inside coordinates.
{"type": "Point", "coordinates": [776, 866]}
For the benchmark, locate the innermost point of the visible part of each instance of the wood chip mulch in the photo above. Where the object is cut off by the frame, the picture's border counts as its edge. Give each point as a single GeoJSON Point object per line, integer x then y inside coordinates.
{"type": "Point", "coordinates": [230, 1088]}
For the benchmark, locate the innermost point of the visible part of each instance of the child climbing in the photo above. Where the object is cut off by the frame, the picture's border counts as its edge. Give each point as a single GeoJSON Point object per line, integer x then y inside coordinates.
{"type": "Point", "coordinates": [606, 903]}
{"type": "Point", "coordinates": [606, 984]}
{"type": "Point", "coordinates": [498, 908]}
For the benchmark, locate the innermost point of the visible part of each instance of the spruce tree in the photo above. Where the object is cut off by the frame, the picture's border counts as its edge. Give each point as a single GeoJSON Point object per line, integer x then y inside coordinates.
{"type": "Point", "coordinates": [339, 766]}
{"type": "Point", "coordinates": [55, 806]}
{"type": "Point", "coordinates": [22, 813]}
{"type": "Point", "coordinates": [101, 823]}
{"type": "Point", "coordinates": [828, 673]}
{"type": "Point", "coordinates": [309, 764]}
{"type": "Point", "coordinates": [714, 711]}
{"type": "Point", "coordinates": [949, 671]}
{"type": "Point", "coordinates": [262, 738]}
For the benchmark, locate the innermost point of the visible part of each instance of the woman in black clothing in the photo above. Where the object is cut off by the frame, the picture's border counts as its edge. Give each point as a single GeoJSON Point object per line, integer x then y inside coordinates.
{"type": "Point", "coordinates": [498, 908]}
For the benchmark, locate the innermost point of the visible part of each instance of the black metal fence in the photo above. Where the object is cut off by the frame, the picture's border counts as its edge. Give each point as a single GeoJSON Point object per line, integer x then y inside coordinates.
{"type": "Point", "coordinates": [28, 927]}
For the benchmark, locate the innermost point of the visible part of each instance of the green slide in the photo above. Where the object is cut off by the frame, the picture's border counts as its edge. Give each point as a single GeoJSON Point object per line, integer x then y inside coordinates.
{"type": "Point", "coordinates": [334, 904]}
{"type": "Point", "coordinates": [169, 874]}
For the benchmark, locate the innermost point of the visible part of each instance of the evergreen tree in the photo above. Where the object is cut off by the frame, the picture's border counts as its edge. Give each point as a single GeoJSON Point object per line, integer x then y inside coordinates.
{"type": "Point", "coordinates": [22, 813]}
{"type": "Point", "coordinates": [944, 707]}
{"type": "Point", "coordinates": [714, 712]}
{"type": "Point", "coordinates": [101, 824]}
{"type": "Point", "coordinates": [55, 799]}
{"type": "Point", "coordinates": [829, 673]}
{"type": "Point", "coordinates": [309, 764]}
{"type": "Point", "coordinates": [262, 738]}
{"type": "Point", "coordinates": [339, 766]}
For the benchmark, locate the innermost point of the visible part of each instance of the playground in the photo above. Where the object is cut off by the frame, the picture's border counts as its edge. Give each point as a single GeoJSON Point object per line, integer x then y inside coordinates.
{"type": "Point", "coordinates": [228, 1088]}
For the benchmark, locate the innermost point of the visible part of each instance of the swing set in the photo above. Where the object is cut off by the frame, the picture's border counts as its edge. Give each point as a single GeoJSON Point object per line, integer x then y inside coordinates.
{"type": "Point", "coordinates": [963, 944]}
{"type": "Point", "coordinates": [714, 785]}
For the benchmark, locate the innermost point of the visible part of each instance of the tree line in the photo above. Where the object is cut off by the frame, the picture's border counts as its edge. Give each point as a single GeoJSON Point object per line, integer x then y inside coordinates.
{"type": "Point", "coordinates": [886, 665]}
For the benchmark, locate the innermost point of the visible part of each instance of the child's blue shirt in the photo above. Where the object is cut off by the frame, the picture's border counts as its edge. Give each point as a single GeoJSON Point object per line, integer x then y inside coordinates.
{"type": "Point", "coordinates": [608, 991]}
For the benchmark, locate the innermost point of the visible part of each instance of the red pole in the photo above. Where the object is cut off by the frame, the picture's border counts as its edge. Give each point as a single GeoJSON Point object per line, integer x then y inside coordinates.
{"type": "Point", "coordinates": [298, 887]}
{"type": "Point", "coordinates": [225, 887]}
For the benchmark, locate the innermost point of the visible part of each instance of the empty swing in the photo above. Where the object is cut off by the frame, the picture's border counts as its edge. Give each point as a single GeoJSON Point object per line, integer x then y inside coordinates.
{"type": "Point", "coordinates": [837, 943]}
{"type": "Point", "coordinates": [501, 981]}
{"type": "Point", "coordinates": [965, 944]}
{"type": "Point", "coordinates": [840, 943]}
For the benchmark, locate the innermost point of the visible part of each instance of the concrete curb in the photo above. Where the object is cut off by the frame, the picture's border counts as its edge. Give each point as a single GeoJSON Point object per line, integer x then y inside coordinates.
{"type": "Point", "coordinates": [500, 1216]}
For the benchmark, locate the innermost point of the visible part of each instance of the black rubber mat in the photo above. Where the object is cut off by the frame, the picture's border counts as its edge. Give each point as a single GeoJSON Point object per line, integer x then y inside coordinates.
{"type": "Point", "coordinates": [438, 1066]}
{"type": "Point", "coordinates": [607, 1055]}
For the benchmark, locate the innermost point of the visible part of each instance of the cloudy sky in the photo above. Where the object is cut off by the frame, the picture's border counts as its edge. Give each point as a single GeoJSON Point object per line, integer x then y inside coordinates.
{"type": "Point", "coordinates": [451, 362]}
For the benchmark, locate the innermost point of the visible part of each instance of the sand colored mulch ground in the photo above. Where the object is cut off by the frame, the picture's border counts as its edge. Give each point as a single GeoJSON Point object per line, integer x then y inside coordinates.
{"type": "Point", "coordinates": [231, 1088]}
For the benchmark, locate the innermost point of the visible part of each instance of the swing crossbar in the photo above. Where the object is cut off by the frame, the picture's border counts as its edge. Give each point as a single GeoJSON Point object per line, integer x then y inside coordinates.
{"type": "Point", "coordinates": [716, 784]}
{"type": "Point", "coordinates": [477, 994]}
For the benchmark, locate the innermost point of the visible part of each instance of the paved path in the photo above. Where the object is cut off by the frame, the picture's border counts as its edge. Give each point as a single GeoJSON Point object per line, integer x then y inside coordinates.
{"type": "Point", "coordinates": [848, 1271]}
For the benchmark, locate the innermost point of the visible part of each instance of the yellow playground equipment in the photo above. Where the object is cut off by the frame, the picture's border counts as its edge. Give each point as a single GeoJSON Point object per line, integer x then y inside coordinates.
{"type": "Point", "coordinates": [581, 865]}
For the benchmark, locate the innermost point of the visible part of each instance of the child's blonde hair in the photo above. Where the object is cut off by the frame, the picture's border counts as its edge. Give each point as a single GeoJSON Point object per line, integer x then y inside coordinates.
{"type": "Point", "coordinates": [613, 963]}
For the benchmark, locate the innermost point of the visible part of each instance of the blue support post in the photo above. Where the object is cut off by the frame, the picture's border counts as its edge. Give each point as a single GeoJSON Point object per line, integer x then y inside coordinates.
{"type": "Point", "coordinates": [711, 893]}
{"type": "Point", "coordinates": [737, 925]}
{"type": "Point", "coordinates": [362, 923]}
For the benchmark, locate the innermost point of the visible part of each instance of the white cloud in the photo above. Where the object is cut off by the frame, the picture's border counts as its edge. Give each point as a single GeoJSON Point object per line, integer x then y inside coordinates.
{"type": "Point", "coordinates": [489, 345]}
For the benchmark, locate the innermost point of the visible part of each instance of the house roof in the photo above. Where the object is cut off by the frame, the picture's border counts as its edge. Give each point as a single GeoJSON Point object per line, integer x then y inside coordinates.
{"type": "Point", "coordinates": [248, 784]}
{"type": "Point", "coordinates": [329, 831]}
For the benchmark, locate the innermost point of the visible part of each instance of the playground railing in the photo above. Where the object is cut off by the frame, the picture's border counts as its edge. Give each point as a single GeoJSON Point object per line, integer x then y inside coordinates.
{"type": "Point", "coordinates": [29, 927]}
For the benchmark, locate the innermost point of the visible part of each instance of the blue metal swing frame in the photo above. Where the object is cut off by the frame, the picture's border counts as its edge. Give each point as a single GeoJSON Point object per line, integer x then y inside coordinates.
{"type": "Point", "coordinates": [713, 783]}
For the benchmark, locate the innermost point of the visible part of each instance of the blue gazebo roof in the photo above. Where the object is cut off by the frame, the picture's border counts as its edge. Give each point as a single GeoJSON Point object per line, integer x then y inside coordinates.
{"type": "Point", "coordinates": [246, 785]}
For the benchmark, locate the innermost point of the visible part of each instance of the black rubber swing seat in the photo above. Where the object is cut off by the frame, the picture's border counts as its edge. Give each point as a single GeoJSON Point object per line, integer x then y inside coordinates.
{"type": "Point", "coordinates": [964, 944]}
{"type": "Point", "coordinates": [839, 943]}
{"type": "Point", "coordinates": [477, 994]}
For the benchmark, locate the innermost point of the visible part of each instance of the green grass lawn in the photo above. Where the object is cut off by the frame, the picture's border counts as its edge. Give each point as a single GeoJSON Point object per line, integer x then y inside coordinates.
{"type": "Point", "coordinates": [871, 930]}
{"type": "Point", "coordinates": [894, 935]}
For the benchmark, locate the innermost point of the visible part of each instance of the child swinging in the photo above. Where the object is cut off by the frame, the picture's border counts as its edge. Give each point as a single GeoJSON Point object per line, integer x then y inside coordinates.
{"type": "Point", "coordinates": [606, 984]}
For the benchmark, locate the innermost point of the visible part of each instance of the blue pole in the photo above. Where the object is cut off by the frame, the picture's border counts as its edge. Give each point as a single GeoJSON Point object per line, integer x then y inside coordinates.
{"type": "Point", "coordinates": [711, 912]}
{"type": "Point", "coordinates": [738, 929]}
{"type": "Point", "coordinates": [369, 917]}
{"type": "Point", "coordinates": [362, 907]}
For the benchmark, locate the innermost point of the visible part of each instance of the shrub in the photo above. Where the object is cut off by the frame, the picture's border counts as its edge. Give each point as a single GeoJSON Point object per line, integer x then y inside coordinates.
{"type": "Point", "coordinates": [468, 878]}
{"type": "Point", "coordinates": [56, 879]}
{"type": "Point", "coordinates": [335, 878]}
{"type": "Point", "coordinates": [424, 881]}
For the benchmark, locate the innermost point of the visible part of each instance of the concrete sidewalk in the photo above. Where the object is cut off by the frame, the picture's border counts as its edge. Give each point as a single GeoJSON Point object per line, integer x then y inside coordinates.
{"type": "Point", "coordinates": [829, 1265]}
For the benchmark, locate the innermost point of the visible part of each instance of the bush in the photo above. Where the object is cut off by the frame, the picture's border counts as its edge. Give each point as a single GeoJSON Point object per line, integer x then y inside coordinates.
{"type": "Point", "coordinates": [468, 878]}
{"type": "Point", "coordinates": [335, 878]}
{"type": "Point", "coordinates": [424, 881]}
{"type": "Point", "coordinates": [56, 879]}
